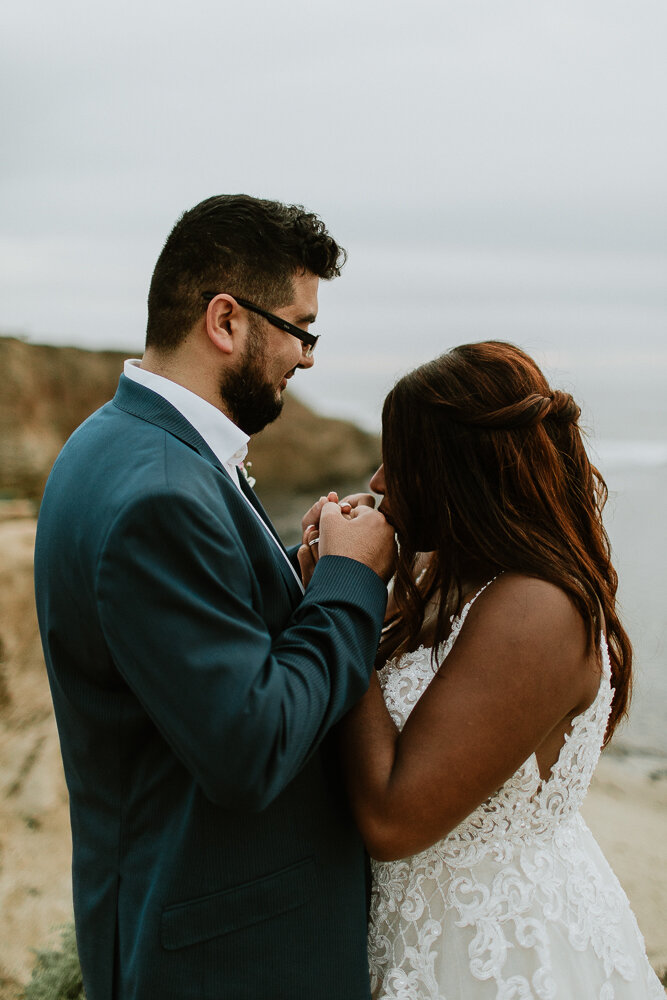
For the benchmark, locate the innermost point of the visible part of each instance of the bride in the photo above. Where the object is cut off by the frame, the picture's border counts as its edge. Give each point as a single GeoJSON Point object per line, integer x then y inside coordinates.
{"type": "Point", "coordinates": [503, 670]}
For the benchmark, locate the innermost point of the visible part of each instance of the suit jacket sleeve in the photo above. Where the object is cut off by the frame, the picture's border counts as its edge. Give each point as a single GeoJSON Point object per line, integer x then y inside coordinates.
{"type": "Point", "coordinates": [182, 614]}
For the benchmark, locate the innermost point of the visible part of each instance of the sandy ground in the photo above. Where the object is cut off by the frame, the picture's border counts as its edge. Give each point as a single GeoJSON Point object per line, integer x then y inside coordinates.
{"type": "Point", "coordinates": [35, 891]}
{"type": "Point", "coordinates": [626, 808]}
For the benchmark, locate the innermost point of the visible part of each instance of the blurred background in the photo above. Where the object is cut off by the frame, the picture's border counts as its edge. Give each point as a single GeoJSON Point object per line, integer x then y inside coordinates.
{"type": "Point", "coordinates": [495, 170]}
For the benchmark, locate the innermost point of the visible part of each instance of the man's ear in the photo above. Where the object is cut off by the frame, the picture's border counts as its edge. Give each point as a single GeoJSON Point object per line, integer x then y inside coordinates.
{"type": "Point", "coordinates": [222, 323]}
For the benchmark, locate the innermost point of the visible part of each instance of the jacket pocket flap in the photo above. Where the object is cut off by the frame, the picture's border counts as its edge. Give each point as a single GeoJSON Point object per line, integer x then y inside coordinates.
{"type": "Point", "coordinates": [198, 920]}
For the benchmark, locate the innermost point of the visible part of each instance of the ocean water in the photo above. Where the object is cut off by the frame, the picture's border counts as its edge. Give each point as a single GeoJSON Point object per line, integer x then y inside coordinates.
{"type": "Point", "coordinates": [636, 475]}
{"type": "Point", "coordinates": [597, 325]}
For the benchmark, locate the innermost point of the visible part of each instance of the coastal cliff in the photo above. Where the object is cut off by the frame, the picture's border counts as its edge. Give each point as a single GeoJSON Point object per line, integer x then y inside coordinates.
{"type": "Point", "coordinates": [48, 391]}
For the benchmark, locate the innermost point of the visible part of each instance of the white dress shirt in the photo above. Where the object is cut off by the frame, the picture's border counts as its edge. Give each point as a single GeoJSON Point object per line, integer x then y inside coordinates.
{"type": "Point", "coordinates": [227, 441]}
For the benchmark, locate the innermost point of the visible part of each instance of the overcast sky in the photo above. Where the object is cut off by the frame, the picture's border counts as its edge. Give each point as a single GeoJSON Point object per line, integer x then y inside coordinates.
{"type": "Point", "coordinates": [507, 153]}
{"type": "Point", "coordinates": [496, 169]}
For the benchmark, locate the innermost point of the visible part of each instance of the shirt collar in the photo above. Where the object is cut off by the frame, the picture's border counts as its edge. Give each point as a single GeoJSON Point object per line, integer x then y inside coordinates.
{"type": "Point", "coordinates": [227, 441]}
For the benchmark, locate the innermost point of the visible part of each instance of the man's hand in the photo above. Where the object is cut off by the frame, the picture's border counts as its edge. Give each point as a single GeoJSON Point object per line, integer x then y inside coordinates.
{"type": "Point", "coordinates": [311, 518]}
{"type": "Point", "coordinates": [363, 535]}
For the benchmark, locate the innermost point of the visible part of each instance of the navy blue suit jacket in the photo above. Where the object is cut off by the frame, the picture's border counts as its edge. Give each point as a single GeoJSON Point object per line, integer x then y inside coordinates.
{"type": "Point", "coordinates": [193, 685]}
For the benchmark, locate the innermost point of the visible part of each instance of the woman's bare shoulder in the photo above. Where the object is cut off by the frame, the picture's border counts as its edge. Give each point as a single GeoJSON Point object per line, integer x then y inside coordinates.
{"type": "Point", "coordinates": [529, 615]}
{"type": "Point", "coordinates": [531, 594]}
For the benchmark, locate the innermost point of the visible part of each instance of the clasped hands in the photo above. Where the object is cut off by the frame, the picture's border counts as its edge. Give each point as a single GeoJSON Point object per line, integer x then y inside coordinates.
{"type": "Point", "coordinates": [350, 527]}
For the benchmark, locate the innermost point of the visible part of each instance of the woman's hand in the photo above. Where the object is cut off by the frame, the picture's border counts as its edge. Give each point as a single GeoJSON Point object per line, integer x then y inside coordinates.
{"type": "Point", "coordinates": [308, 554]}
{"type": "Point", "coordinates": [354, 500]}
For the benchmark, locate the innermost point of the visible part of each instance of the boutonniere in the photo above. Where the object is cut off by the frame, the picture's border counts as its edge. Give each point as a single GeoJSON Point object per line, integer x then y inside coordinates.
{"type": "Point", "coordinates": [243, 469]}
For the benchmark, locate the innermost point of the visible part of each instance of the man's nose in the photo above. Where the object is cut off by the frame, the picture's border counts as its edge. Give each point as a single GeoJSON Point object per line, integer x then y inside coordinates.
{"type": "Point", "coordinates": [306, 360]}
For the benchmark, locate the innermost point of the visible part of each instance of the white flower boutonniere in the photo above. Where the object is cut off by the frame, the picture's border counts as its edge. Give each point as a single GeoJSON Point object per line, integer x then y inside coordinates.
{"type": "Point", "coordinates": [243, 469]}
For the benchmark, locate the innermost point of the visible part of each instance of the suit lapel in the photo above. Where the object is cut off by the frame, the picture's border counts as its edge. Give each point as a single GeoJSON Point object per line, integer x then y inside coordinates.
{"type": "Point", "coordinates": [254, 500]}
{"type": "Point", "coordinates": [288, 570]}
{"type": "Point", "coordinates": [142, 402]}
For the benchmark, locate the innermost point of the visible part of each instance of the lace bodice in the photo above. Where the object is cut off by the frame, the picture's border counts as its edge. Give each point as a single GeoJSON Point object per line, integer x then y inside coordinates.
{"type": "Point", "coordinates": [525, 806]}
{"type": "Point", "coordinates": [518, 866]}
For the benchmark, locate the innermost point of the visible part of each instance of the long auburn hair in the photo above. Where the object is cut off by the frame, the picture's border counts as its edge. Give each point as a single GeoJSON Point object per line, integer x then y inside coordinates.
{"type": "Point", "coordinates": [485, 467]}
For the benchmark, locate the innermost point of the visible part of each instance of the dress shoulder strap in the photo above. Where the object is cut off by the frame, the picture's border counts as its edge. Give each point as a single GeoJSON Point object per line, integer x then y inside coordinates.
{"type": "Point", "coordinates": [458, 620]}
{"type": "Point", "coordinates": [604, 654]}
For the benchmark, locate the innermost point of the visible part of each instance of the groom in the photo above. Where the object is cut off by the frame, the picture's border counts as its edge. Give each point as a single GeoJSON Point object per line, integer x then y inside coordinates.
{"type": "Point", "coordinates": [194, 682]}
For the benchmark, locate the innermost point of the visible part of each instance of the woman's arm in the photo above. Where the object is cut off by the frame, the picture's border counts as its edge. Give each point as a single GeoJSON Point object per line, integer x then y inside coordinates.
{"type": "Point", "coordinates": [518, 670]}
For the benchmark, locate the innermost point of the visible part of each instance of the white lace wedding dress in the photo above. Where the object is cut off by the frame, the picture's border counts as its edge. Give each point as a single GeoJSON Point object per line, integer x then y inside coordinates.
{"type": "Point", "coordinates": [518, 902]}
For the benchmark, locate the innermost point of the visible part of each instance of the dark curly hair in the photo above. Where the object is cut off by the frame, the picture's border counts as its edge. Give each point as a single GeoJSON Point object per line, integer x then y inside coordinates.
{"type": "Point", "coordinates": [250, 247]}
{"type": "Point", "coordinates": [485, 467]}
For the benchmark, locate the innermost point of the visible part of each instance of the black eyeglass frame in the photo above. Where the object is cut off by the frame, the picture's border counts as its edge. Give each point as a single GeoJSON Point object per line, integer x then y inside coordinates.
{"type": "Point", "coordinates": [307, 339]}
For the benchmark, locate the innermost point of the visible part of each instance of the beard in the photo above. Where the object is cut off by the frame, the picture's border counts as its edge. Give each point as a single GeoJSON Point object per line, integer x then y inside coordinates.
{"type": "Point", "coordinates": [251, 401]}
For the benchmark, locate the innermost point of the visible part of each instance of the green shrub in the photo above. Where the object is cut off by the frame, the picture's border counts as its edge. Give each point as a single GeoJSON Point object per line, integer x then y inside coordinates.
{"type": "Point", "coordinates": [56, 974]}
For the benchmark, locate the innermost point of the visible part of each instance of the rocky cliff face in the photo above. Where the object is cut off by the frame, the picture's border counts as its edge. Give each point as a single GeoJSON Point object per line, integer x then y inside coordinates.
{"type": "Point", "coordinates": [48, 391]}
{"type": "Point", "coordinates": [35, 843]}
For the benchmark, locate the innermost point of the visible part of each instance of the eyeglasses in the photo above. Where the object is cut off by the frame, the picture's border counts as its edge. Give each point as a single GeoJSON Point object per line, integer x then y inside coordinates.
{"type": "Point", "coordinates": [307, 339]}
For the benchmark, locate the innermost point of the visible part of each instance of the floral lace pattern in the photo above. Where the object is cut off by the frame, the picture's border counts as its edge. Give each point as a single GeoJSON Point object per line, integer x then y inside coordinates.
{"type": "Point", "coordinates": [517, 902]}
